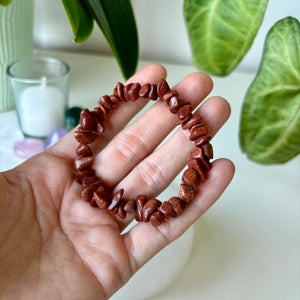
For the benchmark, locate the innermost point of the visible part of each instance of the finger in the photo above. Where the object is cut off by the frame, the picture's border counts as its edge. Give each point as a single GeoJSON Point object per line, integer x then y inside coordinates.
{"type": "Point", "coordinates": [152, 175]}
{"type": "Point", "coordinates": [143, 241]}
{"type": "Point", "coordinates": [139, 139]}
{"type": "Point", "coordinates": [122, 114]}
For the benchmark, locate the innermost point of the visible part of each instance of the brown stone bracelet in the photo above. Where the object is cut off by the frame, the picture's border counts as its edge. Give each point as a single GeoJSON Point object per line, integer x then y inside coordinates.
{"type": "Point", "coordinates": [153, 210]}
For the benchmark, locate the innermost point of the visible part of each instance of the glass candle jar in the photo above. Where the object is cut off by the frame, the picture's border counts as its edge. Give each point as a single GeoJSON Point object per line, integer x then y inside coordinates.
{"type": "Point", "coordinates": [41, 89]}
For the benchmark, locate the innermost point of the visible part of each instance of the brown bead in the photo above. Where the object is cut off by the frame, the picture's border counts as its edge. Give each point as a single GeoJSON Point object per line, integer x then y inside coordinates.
{"type": "Point", "coordinates": [115, 99]}
{"type": "Point", "coordinates": [99, 126]}
{"type": "Point", "coordinates": [121, 211]}
{"type": "Point", "coordinates": [84, 173]}
{"type": "Point", "coordinates": [87, 193]}
{"type": "Point", "coordinates": [84, 162]}
{"type": "Point", "coordinates": [208, 150]}
{"type": "Point", "coordinates": [140, 202]}
{"type": "Point", "coordinates": [144, 91]}
{"type": "Point", "coordinates": [149, 208]}
{"type": "Point", "coordinates": [199, 155]}
{"type": "Point", "coordinates": [86, 119]}
{"type": "Point", "coordinates": [202, 140]}
{"type": "Point", "coordinates": [133, 93]}
{"type": "Point", "coordinates": [197, 130]}
{"type": "Point", "coordinates": [152, 92]}
{"type": "Point", "coordinates": [100, 197]}
{"type": "Point", "coordinates": [167, 209]}
{"type": "Point", "coordinates": [184, 112]}
{"type": "Point", "coordinates": [157, 218]}
{"type": "Point", "coordinates": [126, 90]}
{"type": "Point", "coordinates": [106, 102]}
{"type": "Point", "coordinates": [116, 199]}
{"type": "Point", "coordinates": [85, 137]}
{"type": "Point", "coordinates": [186, 192]}
{"type": "Point", "coordinates": [191, 177]}
{"type": "Point", "coordinates": [104, 109]}
{"type": "Point", "coordinates": [167, 96]}
{"type": "Point", "coordinates": [198, 167]}
{"type": "Point", "coordinates": [119, 91]}
{"type": "Point", "coordinates": [88, 181]}
{"type": "Point", "coordinates": [175, 104]}
{"type": "Point", "coordinates": [177, 204]}
{"type": "Point", "coordinates": [130, 206]}
{"type": "Point", "coordinates": [98, 112]}
{"type": "Point", "coordinates": [84, 150]}
{"type": "Point", "coordinates": [191, 122]}
{"type": "Point", "coordinates": [162, 88]}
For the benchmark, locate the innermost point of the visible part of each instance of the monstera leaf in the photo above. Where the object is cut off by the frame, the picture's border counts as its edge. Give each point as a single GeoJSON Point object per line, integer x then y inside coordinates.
{"type": "Point", "coordinates": [270, 120]}
{"type": "Point", "coordinates": [222, 31]}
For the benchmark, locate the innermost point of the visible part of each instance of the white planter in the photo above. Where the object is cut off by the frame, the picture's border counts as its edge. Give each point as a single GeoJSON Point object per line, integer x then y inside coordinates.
{"type": "Point", "coordinates": [16, 41]}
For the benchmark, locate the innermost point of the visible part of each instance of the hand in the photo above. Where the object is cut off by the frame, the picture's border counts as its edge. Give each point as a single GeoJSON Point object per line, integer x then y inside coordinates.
{"type": "Point", "coordinates": [54, 245]}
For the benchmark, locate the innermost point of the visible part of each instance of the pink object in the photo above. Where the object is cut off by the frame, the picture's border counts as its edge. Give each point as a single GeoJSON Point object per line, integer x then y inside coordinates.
{"type": "Point", "coordinates": [28, 147]}
{"type": "Point", "coordinates": [54, 136]}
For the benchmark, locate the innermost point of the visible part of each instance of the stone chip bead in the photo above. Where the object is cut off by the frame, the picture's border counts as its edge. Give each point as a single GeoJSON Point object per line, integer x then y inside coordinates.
{"type": "Point", "coordinates": [197, 131]}
{"type": "Point", "coordinates": [144, 91]}
{"type": "Point", "coordinates": [186, 192]}
{"type": "Point", "coordinates": [116, 199]}
{"type": "Point", "coordinates": [84, 162]}
{"type": "Point", "coordinates": [100, 197]}
{"type": "Point", "coordinates": [162, 88]}
{"type": "Point", "coordinates": [177, 204]}
{"type": "Point", "coordinates": [87, 193]}
{"type": "Point", "coordinates": [196, 119]}
{"type": "Point", "coordinates": [191, 177]}
{"type": "Point", "coordinates": [157, 218]}
{"type": "Point", "coordinates": [86, 119]}
{"type": "Point", "coordinates": [83, 137]}
{"type": "Point", "coordinates": [167, 210]}
{"type": "Point", "coordinates": [149, 208]}
{"type": "Point", "coordinates": [140, 202]}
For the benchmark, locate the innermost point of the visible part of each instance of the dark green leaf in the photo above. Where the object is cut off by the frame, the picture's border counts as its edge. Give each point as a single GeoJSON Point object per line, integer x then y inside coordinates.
{"type": "Point", "coordinates": [80, 19]}
{"type": "Point", "coordinates": [270, 121]}
{"type": "Point", "coordinates": [5, 2]}
{"type": "Point", "coordinates": [221, 32]}
{"type": "Point", "coordinates": [116, 20]}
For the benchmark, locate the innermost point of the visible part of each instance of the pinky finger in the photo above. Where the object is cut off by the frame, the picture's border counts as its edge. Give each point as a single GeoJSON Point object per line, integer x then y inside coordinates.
{"type": "Point", "coordinates": [143, 241]}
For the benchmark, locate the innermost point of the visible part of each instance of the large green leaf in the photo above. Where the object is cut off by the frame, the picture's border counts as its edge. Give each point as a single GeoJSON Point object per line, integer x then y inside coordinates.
{"type": "Point", "coordinates": [5, 2]}
{"type": "Point", "coordinates": [80, 19]}
{"type": "Point", "coordinates": [116, 20]}
{"type": "Point", "coordinates": [270, 120]}
{"type": "Point", "coordinates": [222, 31]}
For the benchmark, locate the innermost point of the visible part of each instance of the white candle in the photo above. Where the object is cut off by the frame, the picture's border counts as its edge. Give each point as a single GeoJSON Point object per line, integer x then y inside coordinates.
{"type": "Point", "coordinates": [41, 110]}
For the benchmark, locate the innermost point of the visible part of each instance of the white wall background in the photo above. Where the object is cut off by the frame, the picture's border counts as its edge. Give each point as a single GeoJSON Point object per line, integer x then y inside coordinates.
{"type": "Point", "coordinates": [161, 28]}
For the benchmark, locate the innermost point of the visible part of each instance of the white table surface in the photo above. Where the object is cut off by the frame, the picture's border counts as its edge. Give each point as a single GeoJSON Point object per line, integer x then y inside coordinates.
{"type": "Point", "coordinates": [248, 245]}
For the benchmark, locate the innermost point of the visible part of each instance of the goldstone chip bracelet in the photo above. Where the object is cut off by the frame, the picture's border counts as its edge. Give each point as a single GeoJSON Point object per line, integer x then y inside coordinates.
{"type": "Point", "coordinates": [146, 210]}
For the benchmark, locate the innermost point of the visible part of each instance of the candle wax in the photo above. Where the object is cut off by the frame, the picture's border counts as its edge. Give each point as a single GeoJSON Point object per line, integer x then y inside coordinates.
{"type": "Point", "coordinates": [41, 110]}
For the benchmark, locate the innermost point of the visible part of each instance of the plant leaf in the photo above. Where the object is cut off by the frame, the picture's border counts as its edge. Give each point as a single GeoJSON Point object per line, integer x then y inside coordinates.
{"type": "Point", "coordinates": [270, 120]}
{"type": "Point", "coordinates": [80, 19]}
{"type": "Point", "coordinates": [5, 2]}
{"type": "Point", "coordinates": [221, 32]}
{"type": "Point", "coordinates": [116, 20]}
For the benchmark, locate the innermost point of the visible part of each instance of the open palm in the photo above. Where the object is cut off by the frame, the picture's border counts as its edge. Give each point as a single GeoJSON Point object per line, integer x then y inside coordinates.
{"type": "Point", "coordinates": [54, 245]}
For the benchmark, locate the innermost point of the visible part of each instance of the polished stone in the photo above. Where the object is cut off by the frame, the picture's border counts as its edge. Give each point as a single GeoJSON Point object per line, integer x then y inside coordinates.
{"type": "Point", "coordinates": [54, 136]}
{"type": "Point", "coordinates": [72, 117]}
{"type": "Point", "coordinates": [28, 147]}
